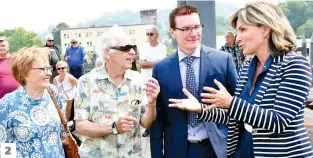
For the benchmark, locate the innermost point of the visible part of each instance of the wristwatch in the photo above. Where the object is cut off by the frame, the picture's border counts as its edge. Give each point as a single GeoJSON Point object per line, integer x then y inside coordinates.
{"type": "Point", "coordinates": [115, 131]}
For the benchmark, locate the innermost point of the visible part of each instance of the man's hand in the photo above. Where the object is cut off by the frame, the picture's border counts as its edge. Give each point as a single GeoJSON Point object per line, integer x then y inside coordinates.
{"type": "Point", "coordinates": [66, 58]}
{"type": "Point", "coordinates": [153, 89]}
{"type": "Point", "coordinates": [125, 123]}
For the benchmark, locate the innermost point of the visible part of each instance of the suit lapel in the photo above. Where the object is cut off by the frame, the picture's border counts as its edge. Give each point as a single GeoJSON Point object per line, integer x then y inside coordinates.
{"type": "Point", "coordinates": [204, 69]}
{"type": "Point", "coordinates": [175, 74]}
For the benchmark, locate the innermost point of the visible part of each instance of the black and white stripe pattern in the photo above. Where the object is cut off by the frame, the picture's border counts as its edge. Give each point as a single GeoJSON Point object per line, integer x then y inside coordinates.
{"type": "Point", "coordinates": [277, 117]}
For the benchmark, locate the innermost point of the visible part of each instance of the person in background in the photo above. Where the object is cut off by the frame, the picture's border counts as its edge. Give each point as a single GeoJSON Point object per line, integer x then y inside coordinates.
{"type": "Point", "coordinates": [233, 48]}
{"type": "Point", "coordinates": [55, 55]}
{"type": "Point", "coordinates": [265, 116]}
{"type": "Point", "coordinates": [75, 55]}
{"type": "Point", "coordinates": [66, 85]}
{"type": "Point", "coordinates": [7, 81]}
{"type": "Point", "coordinates": [28, 116]}
{"type": "Point", "coordinates": [150, 54]}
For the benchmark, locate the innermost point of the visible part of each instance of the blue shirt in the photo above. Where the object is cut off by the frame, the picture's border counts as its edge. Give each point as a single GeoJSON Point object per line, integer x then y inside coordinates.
{"type": "Point", "coordinates": [246, 145]}
{"type": "Point", "coordinates": [77, 55]}
{"type": "Point", "coordinates": [33, 124]}
{"type": "Point", "coordinates": [199, 131]}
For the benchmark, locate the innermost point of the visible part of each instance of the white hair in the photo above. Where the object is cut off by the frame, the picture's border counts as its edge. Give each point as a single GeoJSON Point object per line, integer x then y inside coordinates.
{"type": "Point", "coordinates": [49, 36]}
{"type": "Point", "coordinates": [230, 32]}
{"type": "Point", "coordinates": [108, 39]}
{"type": "Point", "coordinates": [154, 27]}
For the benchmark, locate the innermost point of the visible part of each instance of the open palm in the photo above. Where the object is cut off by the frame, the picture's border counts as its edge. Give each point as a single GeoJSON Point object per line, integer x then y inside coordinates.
{"type": "Point", "coordinates": [190, 104]}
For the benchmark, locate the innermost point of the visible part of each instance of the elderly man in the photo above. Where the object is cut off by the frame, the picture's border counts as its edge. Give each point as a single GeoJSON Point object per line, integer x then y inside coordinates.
{"type": "Point", "coordinates": [150, 54]}
{"type": "Point", "coordinates": [233, 48]}
{"type": "Point", "coordinates": [7, 81]}
{"type": "Point", "coordinates": [55, 55]}
{"type": "Point", "coordinates": [113, 101]}
{"type": "Point", "coordinates": [75, 55]}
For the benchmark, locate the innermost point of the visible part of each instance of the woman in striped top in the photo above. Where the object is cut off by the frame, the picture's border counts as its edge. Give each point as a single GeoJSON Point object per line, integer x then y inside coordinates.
{"type": "Point", "coordinates": [265, 117]}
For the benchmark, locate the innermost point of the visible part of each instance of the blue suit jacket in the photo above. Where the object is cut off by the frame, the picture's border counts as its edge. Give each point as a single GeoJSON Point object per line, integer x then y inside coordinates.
{"type": "Point", "coordinates": [172, 123]}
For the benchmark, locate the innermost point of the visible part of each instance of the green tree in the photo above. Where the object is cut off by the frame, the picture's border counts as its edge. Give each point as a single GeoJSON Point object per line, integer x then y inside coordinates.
{"type": "Point", "coordinates": [306, 29]}
{"type": "Point", "coordinates": [7, 33]}
{"type": "Point", "coordinates": [298, 12]}
{"type": "Point", "coordinates": [56, 33]}
{"type": "Point", "coordinates": [19, 38]}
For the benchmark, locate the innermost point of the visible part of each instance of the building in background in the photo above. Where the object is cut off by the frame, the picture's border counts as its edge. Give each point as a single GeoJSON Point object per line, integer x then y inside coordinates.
{"type": "Point", "coordinates": [149, 16]}
{"type": "Point", "coordinates": [89, 36]}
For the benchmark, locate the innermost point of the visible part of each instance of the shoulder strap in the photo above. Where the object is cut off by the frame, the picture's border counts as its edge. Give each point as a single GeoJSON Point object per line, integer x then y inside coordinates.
{"type": "Point", "coordinates": [58, 109]}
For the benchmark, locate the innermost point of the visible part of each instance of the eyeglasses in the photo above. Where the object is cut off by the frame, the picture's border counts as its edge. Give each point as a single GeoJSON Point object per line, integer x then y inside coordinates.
{"type": "Point", "coordinates": [135, 102]}
{"type": "Point", "coordinates": [45, 69]}
{"type": "Point", "coordinates": [73, 42]}
{"type": "Point", "coordinates": [50, 40]}
{"type": "Point", "coordinates": [126, 48]}
{"type": "Point", "coordinates": [61, 68]}
{"type": "Point", "coordinates": [188, 30]}
{"type": "Point", "coordinates": [149, 34]}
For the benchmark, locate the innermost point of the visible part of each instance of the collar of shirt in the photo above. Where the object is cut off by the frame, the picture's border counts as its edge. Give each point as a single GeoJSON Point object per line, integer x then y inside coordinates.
{"type": "Point", "coordinates": [182, 55]}
{"type": "Point", "coordinates": [254, 63]}
{"type": "Point", "coordinates": [105, 75]}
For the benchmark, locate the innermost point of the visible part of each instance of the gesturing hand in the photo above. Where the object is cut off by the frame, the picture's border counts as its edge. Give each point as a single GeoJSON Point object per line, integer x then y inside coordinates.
{"type": "Point", "coordinates": [218, 98]}
{"type": "Point", "coordinates": [152, 88]}
{"type": "Point", "coordinates": [125, 123]}
{"type": "Point", "coordinates": [190, 104]}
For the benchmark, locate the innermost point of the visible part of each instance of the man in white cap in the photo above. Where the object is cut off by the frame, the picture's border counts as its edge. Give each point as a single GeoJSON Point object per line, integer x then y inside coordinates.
{"type": "Point", "coordinates": [75, 55]}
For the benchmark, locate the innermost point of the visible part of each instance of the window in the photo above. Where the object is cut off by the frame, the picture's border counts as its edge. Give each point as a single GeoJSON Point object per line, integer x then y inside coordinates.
{"type": "Point", "coordinates": [90, 43]}
{"type": "Point", "coordinates": [65, 44]}
{"type": "Point", "coordinates": [68, 36]}
{"type": "Point", "coordinates": [90, 34]}
{"type": "Point", "coordinates": [65, 35]}
{"type": "Point", "coordinates": [75, 34]}
{"type": "Point", "coordinates": [133, 31]}
{"type": "Point", "coordinates": [99, 33]}
{"type": "Point", "coordinates": [79, 35]}
{"type": "Point", "coordinates": [87, 43]}
{"type": "Point", "coordinates": [87, 34]}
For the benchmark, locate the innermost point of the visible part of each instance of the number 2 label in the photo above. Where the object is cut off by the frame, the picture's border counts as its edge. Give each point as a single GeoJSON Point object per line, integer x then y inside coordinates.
{"type": "Point", "coordinates": [8, 150]}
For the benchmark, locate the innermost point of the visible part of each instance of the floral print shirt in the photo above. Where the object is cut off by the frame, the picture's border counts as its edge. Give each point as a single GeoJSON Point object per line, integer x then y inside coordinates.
{"type": "Point", "coordinates": [99, 100]}
{"type": "Point", "coordinates": [33, 124]}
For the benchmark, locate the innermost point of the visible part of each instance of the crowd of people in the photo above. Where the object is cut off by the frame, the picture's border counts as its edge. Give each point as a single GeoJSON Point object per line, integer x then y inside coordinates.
{"type": "Point", "coordinates": [244, 100]}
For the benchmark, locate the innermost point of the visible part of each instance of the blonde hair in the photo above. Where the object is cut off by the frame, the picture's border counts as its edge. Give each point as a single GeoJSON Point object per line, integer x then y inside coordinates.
{"type": "Point", "coordinates": [61, 63]}
{"type": "Point", "coordinates": [22, 60]}
{"type": "Point", "coordinates": [282, 36]}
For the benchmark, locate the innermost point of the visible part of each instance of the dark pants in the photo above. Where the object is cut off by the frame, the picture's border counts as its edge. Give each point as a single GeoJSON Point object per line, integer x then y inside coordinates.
{"type": "Point", "coordinates": [77, 72]}
{"type": "Point", "coordinates": [201, 150]}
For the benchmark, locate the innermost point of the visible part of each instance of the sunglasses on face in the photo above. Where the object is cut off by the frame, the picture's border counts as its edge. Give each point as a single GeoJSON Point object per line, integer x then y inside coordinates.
{"type": "Point", "coordinates": [74, 42]}
{"type": "Point", "coordinates": [61, 68]}
{"type": "Point", "coordinates": [149, 34]}
{"type": "Point", "coordinates": [50, 40]}
{"type": "Point", "coordinates": [126, 48]}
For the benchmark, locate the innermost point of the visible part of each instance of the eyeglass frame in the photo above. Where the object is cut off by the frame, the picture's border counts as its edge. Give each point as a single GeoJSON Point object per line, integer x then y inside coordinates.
{"type": "Point", "coordinates": [44, 69]}
{"type": "Point", "coordinates": [191, 29]}
{"type": "Point", "coordinates": [124, 48]}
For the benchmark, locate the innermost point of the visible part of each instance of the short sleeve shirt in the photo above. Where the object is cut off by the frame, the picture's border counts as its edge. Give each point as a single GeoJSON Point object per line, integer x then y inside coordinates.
{"type": "Point", "coordinates": [99, 100]}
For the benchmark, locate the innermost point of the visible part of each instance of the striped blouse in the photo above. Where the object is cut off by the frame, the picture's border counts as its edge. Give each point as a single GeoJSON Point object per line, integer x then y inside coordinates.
{"type": "Point", "coordinates": [277, 117]}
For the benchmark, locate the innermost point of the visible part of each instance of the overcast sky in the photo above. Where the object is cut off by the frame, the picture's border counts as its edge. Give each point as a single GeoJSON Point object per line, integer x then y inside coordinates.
{"type": "Point", "coordinates": [37, 15]}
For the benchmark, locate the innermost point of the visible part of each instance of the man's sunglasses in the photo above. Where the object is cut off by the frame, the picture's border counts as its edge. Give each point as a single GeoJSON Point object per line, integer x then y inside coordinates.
{"type": "Point", "coordinates": [74, 42]}
{"type": "Point", "coordinates": [61, 68]}
{"type": "Point", "coordinates": [50, 40]}
{"type": "Point", "coordinates": [126, 48]}
{"type": "Point", "coordinates": [149, 34]}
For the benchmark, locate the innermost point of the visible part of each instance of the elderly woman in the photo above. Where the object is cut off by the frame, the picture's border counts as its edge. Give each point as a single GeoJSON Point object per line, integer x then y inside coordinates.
{"type": "Point", "coordinates": [28, 116]}
{"type": "Point", "coordinates": [113, 101]}
{"type": "Point", "coordinates": [265, 116]}
{"type": "Point", "coordinates": [66, 85]}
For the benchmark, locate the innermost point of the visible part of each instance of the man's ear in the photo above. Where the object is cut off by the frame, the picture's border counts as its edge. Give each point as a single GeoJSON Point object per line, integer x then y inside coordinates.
{"type": "Point", "coordinates": [172, 32]}
{"type": "Point", "coordinates": [107, 54]}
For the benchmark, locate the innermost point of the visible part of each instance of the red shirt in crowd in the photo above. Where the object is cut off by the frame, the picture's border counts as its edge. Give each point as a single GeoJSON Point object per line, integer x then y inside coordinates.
{"type": "Point", "coordinates": [7, 81]}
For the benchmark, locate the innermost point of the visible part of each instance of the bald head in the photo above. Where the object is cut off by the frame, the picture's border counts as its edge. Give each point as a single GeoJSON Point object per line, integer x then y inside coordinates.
{"type": "Point", "coordinates": [230, 38]}
{"type": "Point", "coordinates": [152, 34]}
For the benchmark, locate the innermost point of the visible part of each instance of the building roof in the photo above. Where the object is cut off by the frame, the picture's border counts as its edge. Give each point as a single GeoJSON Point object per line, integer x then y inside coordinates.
{"type": "Point", "coordinates": [105, 26]}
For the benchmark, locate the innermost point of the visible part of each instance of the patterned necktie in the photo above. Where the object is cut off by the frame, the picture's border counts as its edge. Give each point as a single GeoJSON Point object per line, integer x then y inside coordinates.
{"type": "Point", "coordinates": [192, 87]}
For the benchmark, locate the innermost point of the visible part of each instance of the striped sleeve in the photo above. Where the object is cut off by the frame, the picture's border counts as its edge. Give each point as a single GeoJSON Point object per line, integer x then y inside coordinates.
{"type": "Point", "coordinates": [291, 94]}
{"type": "Point", "coordinates": [215, 115]}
